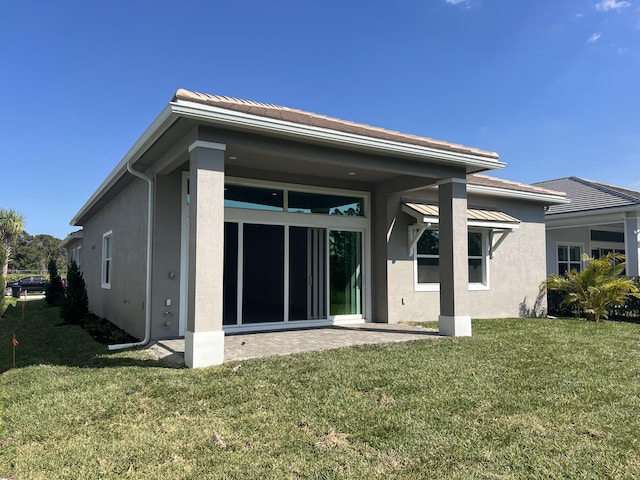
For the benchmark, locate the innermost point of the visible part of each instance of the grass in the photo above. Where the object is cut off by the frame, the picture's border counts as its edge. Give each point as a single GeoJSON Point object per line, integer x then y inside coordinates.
{"type": "Point", "coordinates": [520, 399]}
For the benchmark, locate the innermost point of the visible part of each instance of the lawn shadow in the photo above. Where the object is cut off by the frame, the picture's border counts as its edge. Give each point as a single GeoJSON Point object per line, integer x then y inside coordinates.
{"type": "Point", "coordinates": [43, 339]}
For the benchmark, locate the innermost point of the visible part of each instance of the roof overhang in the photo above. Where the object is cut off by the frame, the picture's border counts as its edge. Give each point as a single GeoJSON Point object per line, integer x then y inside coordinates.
{"type": "Point", "coordinates": [517, 195]}
{"type": "Point", "coordinates": [79, 235]}
{"type": "Point", "coordinates": [309, 133]}
{"type": "Point", "coordinates": [229, 118]}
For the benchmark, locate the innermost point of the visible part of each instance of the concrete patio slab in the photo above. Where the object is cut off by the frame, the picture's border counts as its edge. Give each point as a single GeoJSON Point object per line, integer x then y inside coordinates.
{"type": "Point", "coordinates": [265, 344]}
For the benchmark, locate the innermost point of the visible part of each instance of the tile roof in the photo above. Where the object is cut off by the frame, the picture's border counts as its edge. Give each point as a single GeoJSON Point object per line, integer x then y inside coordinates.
{"type": "Point", "coordinates": [321, 121]}
{"type": "Point", "coordinates": [588, 195]}
{"type": "Point", "coordinates": [487, 181]}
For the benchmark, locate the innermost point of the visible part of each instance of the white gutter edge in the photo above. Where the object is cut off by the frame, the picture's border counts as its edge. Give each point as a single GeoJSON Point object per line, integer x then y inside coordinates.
{"type": "Point", "coordinates": [147, 310]}
{"type": "Point", "coordinates": [502, 192]}
{"type": "Point", "coordinates": [235, 118]}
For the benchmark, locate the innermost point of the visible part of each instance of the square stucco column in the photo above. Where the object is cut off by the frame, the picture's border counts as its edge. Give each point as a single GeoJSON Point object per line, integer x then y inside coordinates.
{"type": "Point", "coordinates": [380, 229]}
{"type": "Point", "coordinates": [454, 268]}
{"type": "Point", "coordinates": [632, 243]}
{"type": "Point", "coordinates": [204, 337]}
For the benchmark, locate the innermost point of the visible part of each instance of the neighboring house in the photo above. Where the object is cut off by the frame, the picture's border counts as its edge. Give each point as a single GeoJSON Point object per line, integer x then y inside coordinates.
{"type": "Point", "coordinates": [73, 245]}
{"type": "Point", "coordinates": [230, 215]}
{"type": "Point", "coordinates": [600, 219]}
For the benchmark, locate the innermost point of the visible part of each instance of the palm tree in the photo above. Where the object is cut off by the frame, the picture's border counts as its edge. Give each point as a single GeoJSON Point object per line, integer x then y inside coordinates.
{"type": "Point", "coordinates": [597, 287]}
{"type": "Point", "coordinates": [11, 225]}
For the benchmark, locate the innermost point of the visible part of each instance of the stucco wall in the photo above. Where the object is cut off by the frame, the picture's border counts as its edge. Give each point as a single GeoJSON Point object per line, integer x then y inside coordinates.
{"type": "Point", "coordinates": [166, 256]}
{"type": "Point", "coordinates": [126, 216]}
{"type": "Point", "coordinates": [515, 272]}
{"type": "Point", "coordinates": [566, 236]}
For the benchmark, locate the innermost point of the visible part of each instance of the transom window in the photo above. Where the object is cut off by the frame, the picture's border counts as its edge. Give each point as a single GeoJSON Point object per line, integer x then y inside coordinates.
{"type": "Point", "coordinates": [292, 201]}
{"type": "Point", "coordinates": [427, 260]}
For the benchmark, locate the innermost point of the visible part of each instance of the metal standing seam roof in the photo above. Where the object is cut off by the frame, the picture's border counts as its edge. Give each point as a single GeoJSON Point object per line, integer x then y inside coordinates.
{"type": "Point", "coordinates": [473, 214]}
{"type": "Point", "coordinates": [322, 121]}
{"type": "Point", "coordinates": [588, 195]}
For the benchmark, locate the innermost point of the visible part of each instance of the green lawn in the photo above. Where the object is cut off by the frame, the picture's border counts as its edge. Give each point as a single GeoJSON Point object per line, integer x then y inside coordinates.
{"type": "Point", "coordinates": [520, 399]}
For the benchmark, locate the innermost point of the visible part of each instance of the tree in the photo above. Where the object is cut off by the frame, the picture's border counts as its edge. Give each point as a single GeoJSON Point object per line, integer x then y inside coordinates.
{"type": "Point", "coordinates": [34, 252]}
{"type": "Point", "coordinates": [597, 288]}
{"type": "Point", "coordinates": [75, 306]}
{"type": "Point", "coordinates": [3, 282]}
{"type": "Point", "coordinates": [11, 225]}
{"type": "Point", "coordinates": [55, 291]}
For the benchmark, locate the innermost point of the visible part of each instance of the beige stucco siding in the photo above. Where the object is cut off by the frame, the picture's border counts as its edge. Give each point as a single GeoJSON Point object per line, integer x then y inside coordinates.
{"type": "Point", "coordinates": [126, 217]}
{"type": "Point", "coordinates": [515, 272]}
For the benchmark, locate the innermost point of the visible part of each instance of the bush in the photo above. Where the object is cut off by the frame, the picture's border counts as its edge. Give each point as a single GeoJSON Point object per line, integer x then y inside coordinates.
{"type": "Point", "coordinates": [55, 291]}
{"type": "Point", "coordinates": [75, 306]}
{"type": "Point", "coordinates": [3, 281]}
{"type": "Point", "coordinates": [598, 291]}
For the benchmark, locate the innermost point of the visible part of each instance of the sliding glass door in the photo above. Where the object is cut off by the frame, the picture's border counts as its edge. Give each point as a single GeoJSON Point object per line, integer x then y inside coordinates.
{"type": "Point", "coordinates": [307, 273]}
{"type": "Point", "coordinates": [282, 273]}
{"type": "Point", "coordinates": [345, 272]}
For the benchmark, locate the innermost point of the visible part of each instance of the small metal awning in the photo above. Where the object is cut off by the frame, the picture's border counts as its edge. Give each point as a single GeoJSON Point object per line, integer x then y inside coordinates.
{"type": "Point", "coordinates": [428, 215]}
{"type": "Point", "coordinates": [475, 218]}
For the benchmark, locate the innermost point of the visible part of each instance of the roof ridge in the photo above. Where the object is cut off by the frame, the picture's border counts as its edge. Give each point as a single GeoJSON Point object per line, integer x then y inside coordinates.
{"type": "Point", "coordinates": [606, 188]}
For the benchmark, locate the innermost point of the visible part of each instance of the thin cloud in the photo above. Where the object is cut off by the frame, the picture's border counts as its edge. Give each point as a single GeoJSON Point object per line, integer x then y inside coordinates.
{"type": "Point", "coordinates": [457, 2]}
{"type": "Point", "coordinates": [606, 5]}
{"type": "Point", "coordinates": [594, 38]}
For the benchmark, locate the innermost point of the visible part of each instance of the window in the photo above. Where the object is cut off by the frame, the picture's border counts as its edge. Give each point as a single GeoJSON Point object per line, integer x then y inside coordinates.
{"type": "Point", "coordinates": [607, 236]}
{"type": "Point", "coordinates": [279, 199]}
{"type": "Point", "coordinates": [569, 258]}
{"type": "Point", "coordinates": [256, 198]}
{"type": "Point", "coordinates": [303, 202]}
{"type": "Point", "coordinates": [75, 255]}
{"type": "Point", "coordinates": [427, 260]}
{"type": "Point", "coordinates": [106, 259]}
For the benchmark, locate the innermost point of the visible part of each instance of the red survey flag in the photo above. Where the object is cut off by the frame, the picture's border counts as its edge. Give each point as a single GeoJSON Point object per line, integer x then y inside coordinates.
{"type": "Point", "coordinates": [14, 341]}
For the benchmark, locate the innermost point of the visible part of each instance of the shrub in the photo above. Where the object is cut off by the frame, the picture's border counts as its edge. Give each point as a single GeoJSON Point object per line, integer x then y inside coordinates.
{"type": "Point", "coordinates": [597, 289]}
{"type": "Point", "coordinates": [3, 281]}
{"type": "Point", "coordinates": [75, 306]}
{"type": "Point", "coordinates": [55, 291]}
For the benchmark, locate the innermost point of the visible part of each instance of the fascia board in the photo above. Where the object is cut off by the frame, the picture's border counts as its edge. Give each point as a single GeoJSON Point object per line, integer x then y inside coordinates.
{"type": "Point", "coordinates": [162, 122]}
{"type": "Point", "coordinates": [515, 194]}
{"type": "Point", "coordinates": [586, 219]}
{"type": "Point", "coordinates": [595, 213]}
{"type": "Point", "coordinates": [243, 120]}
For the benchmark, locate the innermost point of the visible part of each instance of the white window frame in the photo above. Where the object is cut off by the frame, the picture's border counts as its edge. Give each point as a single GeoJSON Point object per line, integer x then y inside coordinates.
{"type": "Point", "coordinates": [435, 287]}
{"type": "Point", "coordinates": [107, 259]}
{"type": "Point", "coordinates": [287, 219]}
{"type": "Point", "coordinates": [568, 245]}
{"type": "Point", "coordinates": [75, 255]}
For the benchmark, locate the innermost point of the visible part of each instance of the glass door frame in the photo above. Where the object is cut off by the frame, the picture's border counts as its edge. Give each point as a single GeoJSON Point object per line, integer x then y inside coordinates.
{"type": "Point", "coordinates": [328, 222]}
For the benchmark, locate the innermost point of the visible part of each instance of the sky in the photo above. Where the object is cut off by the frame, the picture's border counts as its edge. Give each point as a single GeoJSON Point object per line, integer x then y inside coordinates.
{"type": "Point", "coordinates": [551, 85]}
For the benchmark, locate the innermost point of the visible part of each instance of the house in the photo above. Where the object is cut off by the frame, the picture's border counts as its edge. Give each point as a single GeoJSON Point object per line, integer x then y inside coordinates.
{"type": "Point", "coordinates": [600, 219]}
{"type": "Point", "coordinates": [72, 243]}
{"type": "Point", "coordinates": [230, 215]}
